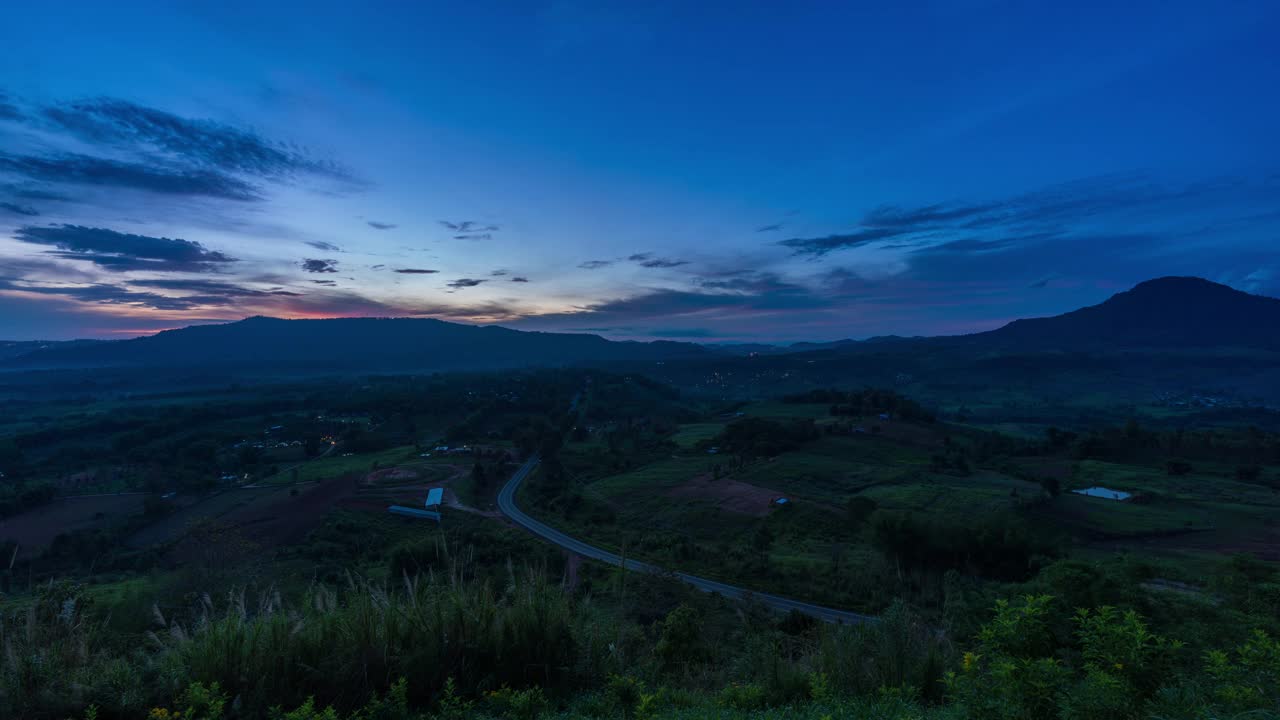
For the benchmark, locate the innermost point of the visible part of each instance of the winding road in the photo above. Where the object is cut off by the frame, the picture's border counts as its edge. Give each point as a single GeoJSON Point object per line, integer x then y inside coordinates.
{"type": "Point", "coordinates": [507, 503]}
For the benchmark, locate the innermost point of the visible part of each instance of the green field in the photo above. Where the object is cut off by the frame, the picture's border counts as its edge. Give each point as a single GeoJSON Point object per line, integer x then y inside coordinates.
{"type": "Point", "coordinates": [690, 434]}
{"type": "Point", "coordinates": [336, 465]}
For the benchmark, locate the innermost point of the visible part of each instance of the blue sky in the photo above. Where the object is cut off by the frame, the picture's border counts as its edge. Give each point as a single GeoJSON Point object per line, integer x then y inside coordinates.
{"type": "Point", "coordinates": [711, 171]}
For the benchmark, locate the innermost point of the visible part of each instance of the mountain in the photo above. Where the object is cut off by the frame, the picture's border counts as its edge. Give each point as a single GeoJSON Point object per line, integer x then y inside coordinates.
{"type": "Point", "coordinates": [1172, 313]}
{"type": "Point", "coordinates": [1169, 312]}
{"type": "Point", "coordinates": [16, 348]}
{"type": "Point", "coordinates": [407, 344]}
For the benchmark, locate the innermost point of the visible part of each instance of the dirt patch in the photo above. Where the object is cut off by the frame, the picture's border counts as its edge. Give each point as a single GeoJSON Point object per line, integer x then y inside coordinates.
{"type": "Point", "coordinates": [36, 528]}
{"type": "Point", "coordinates": [391, 474]}
{"type": "Point", "coordinates": [729, 495]}
{"type": "Point", "coordinates": [1263, 545]}
{"type": "Point", "coordinates": [290, 519]}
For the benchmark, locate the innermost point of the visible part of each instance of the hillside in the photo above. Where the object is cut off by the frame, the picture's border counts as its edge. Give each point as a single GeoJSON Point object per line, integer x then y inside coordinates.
{"type": "Point", "coordinates": [1167, 314]}
{"type": "Point", "coordinates": [1170, 312]}
{"type": "Point", "coordinates": [353, 343]}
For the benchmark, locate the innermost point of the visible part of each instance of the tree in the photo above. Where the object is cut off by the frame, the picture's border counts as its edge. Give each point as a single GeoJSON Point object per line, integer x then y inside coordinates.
{"type": "Point", "coordinates": [859, 509]}
{"type": "Point", "coordinates": [680, 642]}
{"type": "Point", "coordinates": [1051, 485]}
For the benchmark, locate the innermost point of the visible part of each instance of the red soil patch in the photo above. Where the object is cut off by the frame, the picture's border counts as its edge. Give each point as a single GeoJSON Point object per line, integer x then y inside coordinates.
{"type": "Point", "coordinates": [289, 520]}
{"type": "Point", "coordinates": [244, 531]}
{"type": "Point", "coordinates": [36, 528]}
{"type": "Point", "coordinates": [729, 495]}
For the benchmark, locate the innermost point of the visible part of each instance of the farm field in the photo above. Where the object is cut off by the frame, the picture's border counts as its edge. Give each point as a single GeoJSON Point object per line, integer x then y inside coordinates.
{"type": "Point", "coordinates": [35, 529]}
{"type": "Point", "coordinates": [690, 434]}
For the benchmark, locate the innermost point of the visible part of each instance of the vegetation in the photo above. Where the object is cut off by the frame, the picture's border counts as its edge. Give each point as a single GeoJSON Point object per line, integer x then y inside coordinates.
{"type": "Point", "coordinates": [257, 574]}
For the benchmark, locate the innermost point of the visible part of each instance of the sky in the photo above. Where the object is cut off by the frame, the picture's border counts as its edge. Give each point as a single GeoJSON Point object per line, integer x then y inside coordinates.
{"type": "Point", "coordinates": [712, 171]}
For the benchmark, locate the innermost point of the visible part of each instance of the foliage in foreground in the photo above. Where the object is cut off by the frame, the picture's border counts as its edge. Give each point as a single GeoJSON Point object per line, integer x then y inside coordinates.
{"type": "Point", "coordinates": [449, 649]}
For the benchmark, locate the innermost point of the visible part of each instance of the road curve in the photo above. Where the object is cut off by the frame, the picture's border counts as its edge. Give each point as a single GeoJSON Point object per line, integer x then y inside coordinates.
{"type": "Point", "coordinates": [507, 503]}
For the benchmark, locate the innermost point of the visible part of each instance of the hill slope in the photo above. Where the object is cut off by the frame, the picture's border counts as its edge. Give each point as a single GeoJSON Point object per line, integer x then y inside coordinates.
{"type": "Point", "coordinates": [354, 343]}
{"type": "Point", "coordinates": [1170, 312]}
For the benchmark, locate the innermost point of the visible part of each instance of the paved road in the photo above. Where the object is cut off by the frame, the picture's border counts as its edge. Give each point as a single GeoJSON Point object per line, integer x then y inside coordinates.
{"type": "Point", "coordinates": [507, 503]}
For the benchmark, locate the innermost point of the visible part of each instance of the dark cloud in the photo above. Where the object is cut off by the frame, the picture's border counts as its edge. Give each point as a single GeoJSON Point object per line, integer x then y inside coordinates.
{"type": "Point", "coordinates": [469, 226]}
{"type": "Point", "coordinates": [212, 288]}
{"type": "Point", "coordinates": [465, 283]}
{"type": "Point", "coordinates": [663, 263]}
{"type": "Point", "coordinates": [769, 228]}
{"type": "Point", "coordinates": [1055, 211]}
{"type": "Point", "coordinates": [8, 111]}
{"type": "Point", "coordinates": [29, 191]}
{"type": "Point", "coordinates": [499, 273]}
{"type": "Point", "coordinates": [199, 143]}
{"type": "Point", "coordinates": [381, 225]}
{"type": "Point", "coordinates": [416, 271]}
{"type": "Point", "coordinates": [892, 216]}
{"type": "Point", "coordinates": [828, 243]}
{"type": "Point", "coordinates": [474, 236]}
{"type": "Point", "coordinates": [329, 283]}
{"type": "Point", "coordinates": [16, 209]}
{"type": "Point", "coordinates": [123, 251]}
{"type": "Point", "coordinates": [595, 264]}
{"type": "Point", "coordinates": [520, 279]}
{"type": "Point", "coordinates": [648, 260]}
{"type": "Point", "coordinates": [77, 169]}
{"type": "Point", "coordinates": [748, 300]}
{"type": "Point", "coordinates": [105, 294]}
{"type": "Point", "coordinates": [322, 245]}
{"type": "Point", "coordinates": [320, 266]}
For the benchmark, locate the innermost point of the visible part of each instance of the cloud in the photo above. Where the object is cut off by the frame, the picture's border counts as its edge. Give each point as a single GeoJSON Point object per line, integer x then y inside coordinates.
{"type": "Point", "coordinates": [649, 261]}
{"type": "Point", "coordinates": [226, 290]}
{"type": "Point", "coordinates": [1060, 210]}
{"type": "Point", "coordinates": [325, 282]}
{"type": "Point", "coordinates": [8, 111]}
{"type": "Point", "coordinates": [499, 273]}
{"type": "Point", "coordinates": [828, 243]}
{"type": "Point", "coordinates": [200, 143]}
{"type": "Point", "coordinates": [474, 236]}
{"type": "Point", "coordinates": [465, 283]}
{"type": "Point", "coordinates": [313, 265]}
{"type": "Point", "coordinates": [322, 245]}
{"type": "Point", "coordinates": [520, 279]}
{"type": "Point", "coordinates": [416, 271]}
{"type": "Point", "coordinates": [595, 264]}
{"type": "Point", "coordinates": [108, 294]}
{"type": "Point", "coordinates": [123, 251]}
{"type": "Point", "coordinates": [769, 228]}
{"type": "Point", "coordinates": [381, 225]}
{"type": "Point", "coordinates": [76, 169]}
{"type": "Point", "coordinates": [16, 209]}
{"type": "Point", "coordinates": [28, 191]}
{"type": "Point", "coordinates": [469, 226]}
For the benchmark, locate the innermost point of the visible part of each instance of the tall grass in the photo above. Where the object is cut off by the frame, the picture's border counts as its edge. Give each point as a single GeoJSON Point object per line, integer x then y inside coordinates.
{"type": "Point", "coordinates": [342, 647]}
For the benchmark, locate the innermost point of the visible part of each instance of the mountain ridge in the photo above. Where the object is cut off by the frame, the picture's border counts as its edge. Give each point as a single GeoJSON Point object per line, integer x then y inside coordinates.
{"type": "Point", "coordinates": [1168, 312]}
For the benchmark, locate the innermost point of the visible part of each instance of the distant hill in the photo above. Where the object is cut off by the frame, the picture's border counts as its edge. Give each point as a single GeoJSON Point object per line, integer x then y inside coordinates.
{"type": "Point", "coordinates": [1170, 312]}
{"type": "Point", "coordinates": [16, 348]}
{"type": "Point", "coordinates": [408, 344]}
